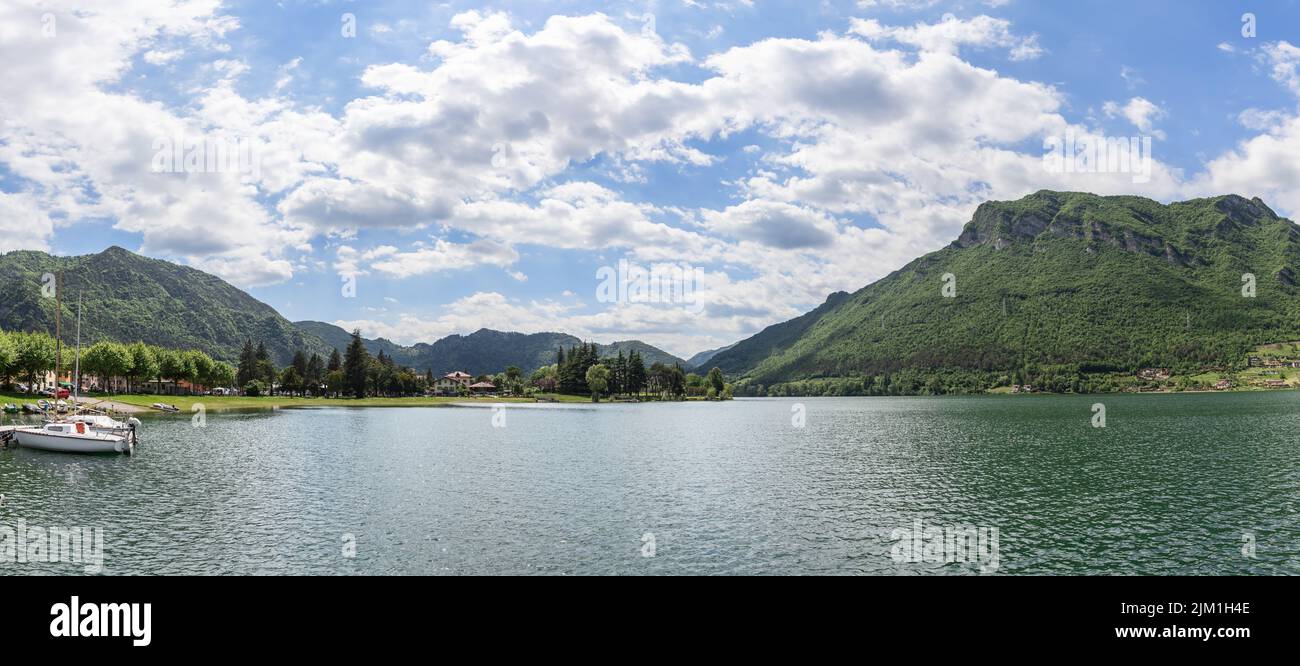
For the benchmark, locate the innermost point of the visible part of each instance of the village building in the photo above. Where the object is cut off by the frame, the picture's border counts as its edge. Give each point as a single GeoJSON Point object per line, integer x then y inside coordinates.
{"type": "Point", "coordinates": [451, 383]}
{"type": "Point", "coordinates": [483, 387]}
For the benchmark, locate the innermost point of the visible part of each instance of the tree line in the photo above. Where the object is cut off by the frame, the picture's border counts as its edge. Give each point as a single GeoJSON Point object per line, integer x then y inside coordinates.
{"type": "Point", "coordinates": [580, 370]}
{"type": "Point", "coordinates": [29, 356]}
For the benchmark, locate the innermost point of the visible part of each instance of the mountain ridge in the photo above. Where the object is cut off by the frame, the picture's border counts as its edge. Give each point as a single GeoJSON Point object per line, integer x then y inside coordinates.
{"type": "Point", "coordinates": [527, 351]}
{"type": "Point", "coordinates": [1055, 285]}
{"type": "Point", "coordinates": [130, 297]}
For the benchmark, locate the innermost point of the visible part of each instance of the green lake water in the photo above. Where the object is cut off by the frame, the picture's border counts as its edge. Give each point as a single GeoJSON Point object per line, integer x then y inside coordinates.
{"type": "Point", "coordinates": [1174, 484]}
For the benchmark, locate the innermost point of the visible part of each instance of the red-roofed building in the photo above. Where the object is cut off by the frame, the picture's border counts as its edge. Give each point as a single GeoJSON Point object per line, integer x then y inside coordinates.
{"type": "Point", "coordinates": [451, 383]}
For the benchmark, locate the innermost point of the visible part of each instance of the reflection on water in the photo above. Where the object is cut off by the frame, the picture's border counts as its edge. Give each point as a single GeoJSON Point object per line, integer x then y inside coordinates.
{"type": "Point", "coordinates": [1176, 484]}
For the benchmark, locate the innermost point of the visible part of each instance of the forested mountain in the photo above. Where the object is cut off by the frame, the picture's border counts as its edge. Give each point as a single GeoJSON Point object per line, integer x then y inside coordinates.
{"type": "Point", "coordinates": [128, 298]}
{"type": "Point", "coordinates": [338, 338]}
{"type": "Point", "coordinates": [484, 351]}
{"type": "Point", "coordinates": [1054, 288]}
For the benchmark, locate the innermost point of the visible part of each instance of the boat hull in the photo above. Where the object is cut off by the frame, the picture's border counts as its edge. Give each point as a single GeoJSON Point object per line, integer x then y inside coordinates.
{"type": "Point", "coordinates": [32, 439]}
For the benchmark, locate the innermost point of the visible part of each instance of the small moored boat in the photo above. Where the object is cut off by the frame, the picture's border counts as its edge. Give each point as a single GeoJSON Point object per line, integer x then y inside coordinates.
{"type": "Point", "coordinates": [107, 424]}
{"type": "Point", "coordinates": [29, 408]}
{"type": "Point", "coordinates": [165, 407]}
{"type": "Point", "coordinates": [10, 408]}
{"type": "Point", "coordinates": [71, 438]}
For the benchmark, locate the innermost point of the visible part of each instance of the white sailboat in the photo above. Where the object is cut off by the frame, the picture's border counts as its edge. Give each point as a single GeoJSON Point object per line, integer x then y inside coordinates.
{"type": "Point", "coordinates": [72, 438]}
{"type": "Point", "coordinates": [80, 433]}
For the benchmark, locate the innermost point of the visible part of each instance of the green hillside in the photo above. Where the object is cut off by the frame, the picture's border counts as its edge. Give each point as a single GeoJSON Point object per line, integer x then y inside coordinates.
{"type": "Point", "coordinates": [1060, 289]}
{"type": "Point", "coordinates": [128, 297]}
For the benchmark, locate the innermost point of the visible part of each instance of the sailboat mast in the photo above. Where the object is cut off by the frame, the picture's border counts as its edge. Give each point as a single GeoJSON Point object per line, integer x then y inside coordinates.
{"type": "Point", "coordinates": [76, 374]}
{"type": "Point", "coordinates": [58, 330]}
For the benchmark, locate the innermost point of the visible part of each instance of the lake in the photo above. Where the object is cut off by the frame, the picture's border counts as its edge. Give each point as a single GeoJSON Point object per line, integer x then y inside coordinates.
{"type": "Point", "coordinates": [1173, 484]}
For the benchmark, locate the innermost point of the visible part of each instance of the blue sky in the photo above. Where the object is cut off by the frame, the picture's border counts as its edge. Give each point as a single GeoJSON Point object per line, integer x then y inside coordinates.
{"type": "Point", "coordinates": [470, 165]}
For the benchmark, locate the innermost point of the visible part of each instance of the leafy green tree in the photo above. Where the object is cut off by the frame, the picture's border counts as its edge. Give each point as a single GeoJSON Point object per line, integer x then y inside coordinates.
{"type": "Point", "coordinates": [544, 379]}
{"type": "Point", "coordinates": [199, 368]}
{"type": "Point", "coordinates": [107, 360]}
{"type": "Point", "coordinates": [35, 356]}
{"type": "Point", "coordinates": [8, 357]}
{"type": "Point", "coordinates": [597, 381]}
{"type": "Point", "coordinates": [290, 380]}
{"type": "Point", "coordinates": [144, 365]}
{"type": "Point", "coordinates": [336, 382]}
{"type": "Point", "coordinates": [222, 374]}
{"type": "Point", "coordinates": [716, 380]}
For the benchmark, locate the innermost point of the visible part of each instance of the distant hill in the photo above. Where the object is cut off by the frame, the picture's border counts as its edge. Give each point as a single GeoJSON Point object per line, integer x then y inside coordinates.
{"type": "Point", "coordinates": [337, 338]}
{"type": "Point", "coordinates": [698, 360]}
{"type": "Point", "coordinates": [649, 354]}
{"type": "Point", "coordinates": [1055, 287]}
{"type": "Point", "coordinates": [128, 297]}
{"type": "Point", "coordinates": [484, 351]}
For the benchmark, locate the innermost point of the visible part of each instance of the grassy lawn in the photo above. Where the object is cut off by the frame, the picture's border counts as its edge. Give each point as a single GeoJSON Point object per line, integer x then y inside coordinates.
{"type": "Point", "coordinates": [218, 403]}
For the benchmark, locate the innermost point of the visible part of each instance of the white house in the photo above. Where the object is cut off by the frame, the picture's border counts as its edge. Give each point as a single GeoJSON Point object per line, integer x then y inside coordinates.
{"type": "Point", "coordinates": [452, 383]}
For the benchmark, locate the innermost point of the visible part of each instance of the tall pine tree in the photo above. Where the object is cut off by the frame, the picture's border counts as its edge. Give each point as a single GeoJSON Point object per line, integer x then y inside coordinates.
{"type": "Point", "coordinates": [355, 361]}
{"type": "Point", "coordinates": [247, 364]}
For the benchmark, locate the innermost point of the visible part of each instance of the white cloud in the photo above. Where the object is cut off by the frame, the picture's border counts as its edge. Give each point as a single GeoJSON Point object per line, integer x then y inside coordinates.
{"type": "Point", "coordinates": [1282, 58]}
{"type": "Point", "coordinates": [441, 256]}
{"type": "Point", "coordinates": [876, 146]}
{"type": "Point", "coordinates": [1139, 111]}
{"type": "Point", "coordinates": [69, 131]}
{"type": "Point", "coordinates": [951, 34]}
{"type": "Point", "coordinates": [775, 224]}
{"type": "Point", "coordinates": [23, 225]}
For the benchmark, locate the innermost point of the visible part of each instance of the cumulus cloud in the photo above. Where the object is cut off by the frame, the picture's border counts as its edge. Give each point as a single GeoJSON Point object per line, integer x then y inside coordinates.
{"type": "Point", "coordinates": [88, 148]}
{"type": "Point", "coordinates": [23, 224]}
{"type": "Point", "coordinates": [1139, 111]}
{"type": "Point", "coordinates": [869, 146]}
